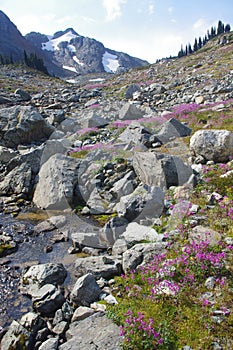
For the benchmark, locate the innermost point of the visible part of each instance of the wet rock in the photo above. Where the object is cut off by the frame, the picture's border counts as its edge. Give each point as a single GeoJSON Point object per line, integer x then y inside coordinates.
{"type": "Point", "coordinates": [45, 273]}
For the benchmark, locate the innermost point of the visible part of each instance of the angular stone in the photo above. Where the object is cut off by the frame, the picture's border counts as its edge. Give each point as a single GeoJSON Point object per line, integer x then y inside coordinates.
{"type": "Point", "coordinates": [99, 266]}
{"type": "Point", "coordinates": [45, 273]}
{"type": "Point", "coordinates": [161, 170]}
{"type": "Point", "coordinates": [30, 126]}
{"type": "Point", "coordinates": [144, 203]}
{"type": "Point", "coordinates": [172, 129]}
{"type": "Point", "coordinates": [58, 178]}
{"type": "Point", "coordinates": [136, 233]}
{"type": "Point", "coordinates": [95, 332]}
{"type": "Point", "coordinates": [47, 300]}
{"type": "Point", "coordinates": [81, 313]}
{"type": "Point", "coordinates": [85, 291]}
{"type": "Point", "coordinates": [130, 112]}
{"type": "Point", "coordinates": [49, 344]}
{"type": "Point", "coordinates": [141, 254]}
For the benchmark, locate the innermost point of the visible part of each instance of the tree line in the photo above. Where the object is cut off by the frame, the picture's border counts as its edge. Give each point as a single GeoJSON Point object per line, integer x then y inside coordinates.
{"type": "Point", "coordinates": [200, 42]}
{"type": "Point", "coordinates": [30, 60]}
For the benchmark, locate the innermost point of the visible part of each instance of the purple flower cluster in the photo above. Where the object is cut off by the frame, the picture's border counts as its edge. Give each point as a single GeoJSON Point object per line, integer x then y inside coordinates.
{"type": "Point", "coordinates": [138, 325]}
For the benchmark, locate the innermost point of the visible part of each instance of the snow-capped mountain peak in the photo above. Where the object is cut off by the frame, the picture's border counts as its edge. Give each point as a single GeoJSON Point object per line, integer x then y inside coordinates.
{"type": "Point", "coordinates": [53, 43]}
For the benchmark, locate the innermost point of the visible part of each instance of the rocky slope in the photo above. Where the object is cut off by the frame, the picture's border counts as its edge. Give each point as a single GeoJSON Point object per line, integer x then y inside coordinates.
{"type": "Point", "coordinates": [116, 166]}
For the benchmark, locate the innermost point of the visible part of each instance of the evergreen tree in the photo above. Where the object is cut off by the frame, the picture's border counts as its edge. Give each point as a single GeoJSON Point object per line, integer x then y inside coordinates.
{"type": "Point", "coordinates": [227, 28]}
{"type": "Point", "coordinates": [199, 43]}
{"type": "Point", "coordinates": [220, 28]}
{"type": "Point", "coordinates": [213, 32]}
{"type": "Point", "coordinates": [181, 52]}
{"type": "Point", "coordinates": [190, 49]}
{"type": "Point", "coordinates": [195, 46]}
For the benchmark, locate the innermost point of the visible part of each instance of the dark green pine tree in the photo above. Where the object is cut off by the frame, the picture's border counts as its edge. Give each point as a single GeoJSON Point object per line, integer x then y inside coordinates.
{"type": "Point", "coordinates": [181, 53]}
{"type": "Point", "coordinates": [220, 28]}
{"type": "Point", "coordinates": [227, 28]}
{"type": "Point", "coordinates": [199, 43]}
{"type": "Point", "coordinates": [213, 32]}
{"type": "Point", "coordinates": [195, 46]}
{"type": "Point", "coordinates": [190, 49]}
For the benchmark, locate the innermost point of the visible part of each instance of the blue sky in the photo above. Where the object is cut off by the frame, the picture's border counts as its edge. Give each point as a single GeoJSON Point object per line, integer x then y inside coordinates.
{"type": "Point", "coordinates": [148, 29]}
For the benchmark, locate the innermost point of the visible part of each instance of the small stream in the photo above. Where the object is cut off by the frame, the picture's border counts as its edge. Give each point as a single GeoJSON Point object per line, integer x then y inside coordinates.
{"type": "Point", "coordinates": [31, 251]}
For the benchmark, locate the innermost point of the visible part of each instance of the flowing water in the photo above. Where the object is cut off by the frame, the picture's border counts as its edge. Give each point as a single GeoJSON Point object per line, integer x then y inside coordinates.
{"type": "Point", "coordinates": [31, 250]}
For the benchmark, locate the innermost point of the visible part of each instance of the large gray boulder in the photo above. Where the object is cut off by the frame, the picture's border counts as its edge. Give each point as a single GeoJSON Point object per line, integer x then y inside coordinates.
{"type": "Point", "coordinates": [58, 179]}
{"type": "Point", "coordinates": [95, 332]}
{"type": "Point", "coordinates": [136, 233]}
{"type": "Point", "coordinates": [216, 145]}
{"type": "Point", "coordinates": [16, 337]}
{"type": "Point", "coordinates": [18, 171]}
{"type": "Point", "coordinates": [45, 273]}
{"type": "Point", "coordinates": [172, 129]}
{"type": "Point", "coordinates": [99, 266]}
{"type": "Point", "coordinates": [163, 170]}
{"type": "Point", "coordinates": [22, 125]}
{"type": "Point", "coordinates": [137, 134]}
{"type": "Point", "coordinates": [113, 229]}
{"type": "Point", "coordinates": [145, 203]}
{"type": "Point", "coordinates": [141, 254]}
{"type": "Point", "coordinates": [47, 300]}
{"type": "Point", "coordinates": [85, 291]}
{"type": "Point", "coordinates": [130, 112]}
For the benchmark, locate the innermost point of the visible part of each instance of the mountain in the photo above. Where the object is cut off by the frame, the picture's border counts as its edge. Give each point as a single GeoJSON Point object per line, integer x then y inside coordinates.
{"type": "Point", "coordinates": [82, 55]}
{"type": "Point", "coordinates": [65, 54]}
{"type": "Point", "coordinates": [13, 45]}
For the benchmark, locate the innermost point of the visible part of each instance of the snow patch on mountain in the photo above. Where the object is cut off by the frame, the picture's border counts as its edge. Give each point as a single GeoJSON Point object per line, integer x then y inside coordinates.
{"type": "Point", "coordinates": [72, 48]}
{"type": "Point", "coordinates": [110, 62]}
{"type": "Point", "coordinates": [53, 44]}
{"type": "Point", "coordinates": [75, 58]}
{"type": "Point", "coordinates": [72, 69]}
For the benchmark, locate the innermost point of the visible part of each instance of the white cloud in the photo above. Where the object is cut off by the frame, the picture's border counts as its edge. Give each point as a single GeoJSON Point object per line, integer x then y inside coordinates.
{"type": "Point", "coordinates": [151, 8]}
{"type": "Point", "coordinates": [200, 23]}
{"type": "Point", "coordinates": [171, 9]}
{"type": "Point", "coordinates": [113, 8]}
